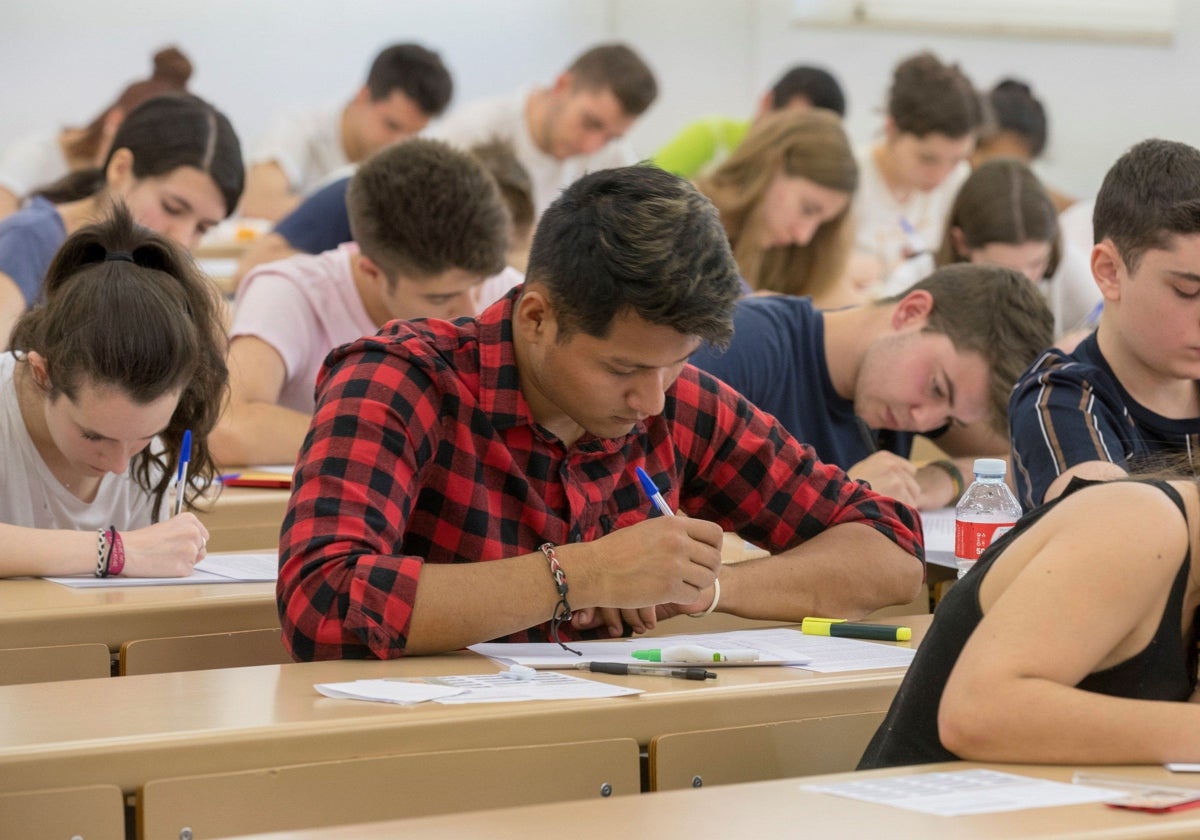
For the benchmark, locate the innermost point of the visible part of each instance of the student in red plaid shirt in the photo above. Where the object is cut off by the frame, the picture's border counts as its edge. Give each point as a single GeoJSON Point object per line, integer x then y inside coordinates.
{"type": "Point", "coordinates": [453, 467]}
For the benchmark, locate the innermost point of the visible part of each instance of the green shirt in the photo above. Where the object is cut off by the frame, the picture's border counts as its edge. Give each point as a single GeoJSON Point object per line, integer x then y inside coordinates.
{"type": "Point", "coordinates": [701, 145]}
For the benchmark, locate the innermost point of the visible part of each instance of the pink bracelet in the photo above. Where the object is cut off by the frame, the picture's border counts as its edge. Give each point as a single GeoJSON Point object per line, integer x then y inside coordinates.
{"type": "Point", "coordinates": [116, 552]}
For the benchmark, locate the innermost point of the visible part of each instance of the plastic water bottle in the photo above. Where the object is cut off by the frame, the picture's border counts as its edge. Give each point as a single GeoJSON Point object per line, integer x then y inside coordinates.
{"type": "Point", "coordinates": [986, 511]}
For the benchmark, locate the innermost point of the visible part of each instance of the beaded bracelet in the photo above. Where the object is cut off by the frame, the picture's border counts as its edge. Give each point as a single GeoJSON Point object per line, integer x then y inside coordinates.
{"type": "Point", "coordinates": [101, 553]}
{"type": "Point", "coordinates": [116, 552]}
{"type": "Point", "coordinates": [562, 610]}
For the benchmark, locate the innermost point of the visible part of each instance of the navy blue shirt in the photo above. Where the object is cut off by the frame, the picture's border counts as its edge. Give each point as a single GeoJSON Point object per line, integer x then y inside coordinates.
{"type": "Point", "coordinates": [29, 239]}
{"type": "Point", "coordinates": [777, 361]}
{"type": "Point", "coordinates": [321, 222]}
{"type": "Point", "coordinates": [1069, 409]}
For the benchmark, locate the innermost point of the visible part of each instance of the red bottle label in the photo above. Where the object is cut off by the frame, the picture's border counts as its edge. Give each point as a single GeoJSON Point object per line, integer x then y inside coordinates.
{"type": "Point", "coordinates": [971, 538]}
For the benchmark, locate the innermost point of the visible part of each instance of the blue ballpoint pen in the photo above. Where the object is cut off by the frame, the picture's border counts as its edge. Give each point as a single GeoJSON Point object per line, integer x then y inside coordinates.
{"type": "Point", "coordinates": [185, 455]}
{"type": "Point", "coordinates": [652, 491]}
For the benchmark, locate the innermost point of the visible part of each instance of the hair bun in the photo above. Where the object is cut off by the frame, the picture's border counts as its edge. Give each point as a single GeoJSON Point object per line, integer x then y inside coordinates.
{"type": "Point", "coordinates": [172, 66]}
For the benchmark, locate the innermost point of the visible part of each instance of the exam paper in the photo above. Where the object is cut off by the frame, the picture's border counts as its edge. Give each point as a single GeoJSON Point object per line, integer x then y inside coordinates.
{"type": "Point", "coordinates": [215, 568]}
{"type": "Point", "coordinates": [474, 688]}
{"type": "Point", "coordinates": [938, 526]}
{"type": "Point", "coordinates": [775, 646]}
{"type": "Point", "coordinates": [963, 792]}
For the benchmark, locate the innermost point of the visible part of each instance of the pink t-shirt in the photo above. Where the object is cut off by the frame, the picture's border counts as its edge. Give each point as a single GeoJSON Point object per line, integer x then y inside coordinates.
{"type": "Point", "coordinates": [303, 307]}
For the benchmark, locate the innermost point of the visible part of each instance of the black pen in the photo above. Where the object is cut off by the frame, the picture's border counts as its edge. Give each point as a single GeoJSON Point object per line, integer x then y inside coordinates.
{"type": "Point", "coordinates": [646, 670]}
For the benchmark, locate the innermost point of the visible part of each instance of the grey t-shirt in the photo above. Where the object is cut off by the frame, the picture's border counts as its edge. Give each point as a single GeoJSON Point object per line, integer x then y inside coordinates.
{"type": "Point", "coordinates": [29, 239]}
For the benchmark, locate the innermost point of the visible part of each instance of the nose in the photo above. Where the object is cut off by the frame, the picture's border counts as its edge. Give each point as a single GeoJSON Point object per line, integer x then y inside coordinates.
{"type": "Point", "coordinates": [928, 417]}
{"type": "Point", "coordinates": [116, 458]}
{"type": "Point", "coordinates": [649, 394]}
{"type": "Point", "coordinates": [591, 142]}
{"type": "Point", "coordinates": [804, 229]}
{"type": "Point", "coordinates": [461, 306]}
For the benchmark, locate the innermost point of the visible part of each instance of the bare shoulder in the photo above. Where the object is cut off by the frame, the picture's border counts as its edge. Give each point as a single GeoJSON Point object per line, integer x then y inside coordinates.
{"type": "Point", "coordinates": [1129, 512]}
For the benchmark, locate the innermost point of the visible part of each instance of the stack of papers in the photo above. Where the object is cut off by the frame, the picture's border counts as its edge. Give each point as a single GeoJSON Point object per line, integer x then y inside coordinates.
{"type": "Point", "coordinates": [775, 646]}
{"type": "Point", "coordinates": [476, 688]}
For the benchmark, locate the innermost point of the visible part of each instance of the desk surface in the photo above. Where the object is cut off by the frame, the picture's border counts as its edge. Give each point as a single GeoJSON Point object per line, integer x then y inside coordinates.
{"type": "Point", "coordinates": [781, 809]}
{"type": "Point", "coordinates": [36, 613]}
{"type": "Point", "coordinates": [130, 730]}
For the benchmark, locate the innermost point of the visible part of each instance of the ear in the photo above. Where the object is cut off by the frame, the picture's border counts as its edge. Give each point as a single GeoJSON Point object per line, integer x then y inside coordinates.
{"type": "Point", "coordinates": [1108, 269]}
{"type": "Point", "coordinates": [890, 131]}
{"type": "Point", "coordinates": [959, 242]}
{"type": "Point", "coordinates": [118, 176]}
{"type": "Point", "coordinates": [108, 130]}
{"type": "Point", "coordinates": [39, 370]}
{"type": "Point", "coordinates": [912, 311]}
{"type": "Point", "coordinates": [363, 97]}
{"type": "Point", "coordinates": [533, 317]}
{"type": "Point", "coordinates": [765, 105]}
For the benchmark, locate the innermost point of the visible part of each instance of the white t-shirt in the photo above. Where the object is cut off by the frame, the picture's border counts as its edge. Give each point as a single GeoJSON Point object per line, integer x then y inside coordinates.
{"type": "Point", "coordinates": [879, 218]}
{"type": "Point", "coordinates": [303, 306]}
{"type": "Point", "coordinates": [1070, 292]}
{"type": "Point", "coordinates": [496, 287]}
{"type": "Point", "coordinates": [503, 119]}
{"type": "Point", "coordinates": [307, 145]}
{"type": "Point", "coordinates": [30, 495]}
{"type": "Point", "coordinates": [32, 161]}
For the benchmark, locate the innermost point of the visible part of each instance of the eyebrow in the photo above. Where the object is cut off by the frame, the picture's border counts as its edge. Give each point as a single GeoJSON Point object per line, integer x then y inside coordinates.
{"type": "Point", "coordinates": [617, 360]}
{"type": "Point", "coordinates": [949, 387]}
{"type": "Point", "coordinates": [85, 430]}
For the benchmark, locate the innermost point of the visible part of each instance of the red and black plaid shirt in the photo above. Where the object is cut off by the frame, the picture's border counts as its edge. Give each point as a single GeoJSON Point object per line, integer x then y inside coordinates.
{"type": "Point", "coordinates": [423, 450]}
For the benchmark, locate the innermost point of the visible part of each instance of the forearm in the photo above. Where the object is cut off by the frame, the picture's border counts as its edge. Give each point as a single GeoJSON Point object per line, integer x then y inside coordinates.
{"type": "Point", "coordinates": [258, 433]}
{"type": "Point", "coordinates": [40, 552]}
{"type": "Point", "coordinates": [847, 571]}
{"type": "Point", "coordinates": [1036, 720]}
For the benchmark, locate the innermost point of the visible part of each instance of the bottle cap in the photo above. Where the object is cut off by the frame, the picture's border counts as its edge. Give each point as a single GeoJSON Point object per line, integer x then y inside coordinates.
{"type": "Point", "coordinates": [990, 466]}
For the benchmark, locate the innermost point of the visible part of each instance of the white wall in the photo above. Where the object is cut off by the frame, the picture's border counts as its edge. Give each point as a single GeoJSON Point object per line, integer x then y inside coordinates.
{"type": "Point", "coordinates": [61, 62]}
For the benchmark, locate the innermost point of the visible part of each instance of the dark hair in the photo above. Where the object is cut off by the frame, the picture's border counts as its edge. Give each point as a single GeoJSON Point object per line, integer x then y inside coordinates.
{"type": "Point", "coordinates": [635, 239]}
{"type": "Point", "coordinates": [416, 72]}
{"type": "Point", "coordinates": [1149, 195]}
{"type": "Point", "coordinates": [798, 144]}
{"type": "Point", "coordinates": [172, 69]}
{"type": "Point", "coordinates": [499, 159]}
{"type": "Point", "coordinates": [929, 97]}
{"type": "Point", "coordinates": [815, 84]}
{"type": "Point", "coordinates": [164, 134]}
{"type": "Point", "coordinates": [617, 68]}
{"type": "Point", "coordinates": [1014, 108]}
{"type": "Point", "coordinates": [128, 309]}
{"type": "Point", "coordinates": [1001, 201]}
{"type": "Point", "coordinates": [995, 312]}
{"type": "Point", "coordinates": [422, 207]}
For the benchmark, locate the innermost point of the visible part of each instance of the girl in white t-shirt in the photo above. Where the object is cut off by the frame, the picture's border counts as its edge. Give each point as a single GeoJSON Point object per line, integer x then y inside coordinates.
{"type": "Point", "coordinates": [101, 382]}
{"type": "Point", "coordinates": [1003, 216]}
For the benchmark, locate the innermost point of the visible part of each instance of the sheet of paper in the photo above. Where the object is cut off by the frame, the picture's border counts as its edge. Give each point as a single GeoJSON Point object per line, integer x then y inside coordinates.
{"type": "Point", "coordinates": [1177, 767]}
{"type": "Point", "coordinates": [939, 536]}
{"type": "Point", "coordinates": [474, 688]}
{"type": "Point", "coordinates": [216, 568]}
{"type": "Point", "coordinates": [401, 692]}
{"type": "Point", "coordinates": [545, 685]}
{"type": "Point", "coordinates": [963, 792]}
{"type": "Point", "coordinates": [778, 645]}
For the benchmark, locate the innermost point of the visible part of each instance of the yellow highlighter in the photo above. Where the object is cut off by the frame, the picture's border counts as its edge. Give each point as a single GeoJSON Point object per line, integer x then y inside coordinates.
{"type": "Point", "coordinates": [855, 630]}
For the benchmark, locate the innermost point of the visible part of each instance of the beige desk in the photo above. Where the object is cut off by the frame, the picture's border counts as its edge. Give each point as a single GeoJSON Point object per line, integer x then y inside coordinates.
{"type": "Point", "coordinates": [139, 728]}
{"type": "Point", "coordinates": [781, 809]}
{"type": "Point", "coordinates": [38, 613]}
{"type": "Point", "coordinates": [245, 518]}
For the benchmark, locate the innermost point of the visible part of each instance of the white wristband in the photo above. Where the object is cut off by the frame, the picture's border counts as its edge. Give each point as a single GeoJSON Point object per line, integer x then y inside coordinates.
{"type": "Point", "coordinates": [713, 605]}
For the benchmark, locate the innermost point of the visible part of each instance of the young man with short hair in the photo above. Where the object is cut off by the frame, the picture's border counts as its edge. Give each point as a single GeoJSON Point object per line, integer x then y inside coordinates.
{"type": "Point", "coordinates": [856, 383]}
{"type": "Point", "coordinates": [1127, 397]}
{"type": "Point", "coordinates": [406, 87]}
{"type": "Point", "coordinates": [574, 126]}
{"type": "Point", "coordinates": [429, 226]}
{"type": "Point", "coordinates": [469, 481]}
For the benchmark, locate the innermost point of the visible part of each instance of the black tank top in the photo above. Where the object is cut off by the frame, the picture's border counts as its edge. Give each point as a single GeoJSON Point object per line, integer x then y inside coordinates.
{"type": "Point", "coordinates": [1164, 670]}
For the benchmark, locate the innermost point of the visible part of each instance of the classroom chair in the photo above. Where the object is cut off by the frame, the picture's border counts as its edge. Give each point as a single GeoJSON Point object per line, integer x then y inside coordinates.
{"type": "Point", "coordinates": [201, 652]}
{"type": "Point", "coordinates": [365, 789]}
{"type": "Point", "coordinates": [53, 663]}
{"type": "Point", "coordinates": [95, 812]}
{"type": "Point", "coordinates": [763, 751]}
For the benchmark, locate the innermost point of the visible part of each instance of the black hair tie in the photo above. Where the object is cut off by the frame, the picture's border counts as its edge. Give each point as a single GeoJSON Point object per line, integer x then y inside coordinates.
{"type": "Point", "coordinates": [118, 255]}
